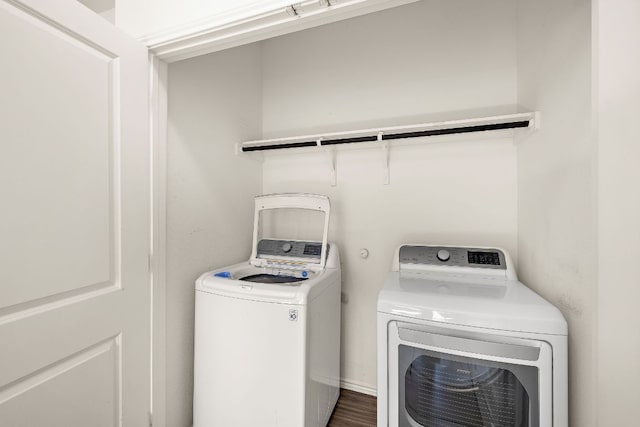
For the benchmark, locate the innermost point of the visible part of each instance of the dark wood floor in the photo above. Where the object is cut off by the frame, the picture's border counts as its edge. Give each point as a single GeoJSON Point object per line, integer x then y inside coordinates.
{"type": "Point", "coordinates": [354, 410]}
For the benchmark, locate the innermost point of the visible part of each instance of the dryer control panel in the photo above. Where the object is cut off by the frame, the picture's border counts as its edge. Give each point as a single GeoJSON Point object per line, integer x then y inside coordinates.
{"type": "Point", "coordinates": [453, 256]}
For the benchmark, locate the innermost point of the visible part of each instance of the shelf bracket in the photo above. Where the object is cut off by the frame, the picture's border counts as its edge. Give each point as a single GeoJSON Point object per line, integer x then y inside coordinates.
{"type": "Point", "coordinates": [331, 160]}
{"type": "Point", "coordinates": [385, 159]}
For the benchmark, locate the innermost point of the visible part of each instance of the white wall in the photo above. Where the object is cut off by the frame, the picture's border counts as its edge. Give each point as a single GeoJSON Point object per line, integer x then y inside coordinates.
{"type": "Point", "coordinates": [432, 58]}
{"type": "Point", "coordinates": [214, 101]}
{"type": "Point", "coordinates": [617, 86]}
{"type": "Point", "coordinates": [557, 181]}
{"type": "Point", "coordinates": [109, 15]}
{"type": "Point", "coordinates": [104, 8]}
{"type": "Point", "coordinates": [425, 60]}
{"type": "Point", "coordinates": [99, 6]}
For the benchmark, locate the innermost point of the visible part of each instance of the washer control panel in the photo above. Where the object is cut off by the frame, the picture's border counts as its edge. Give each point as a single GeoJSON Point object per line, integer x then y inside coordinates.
{"type": "Point", "coordinates": [289, 249]}
{"type": "Point", "coordinates": [453, 256]}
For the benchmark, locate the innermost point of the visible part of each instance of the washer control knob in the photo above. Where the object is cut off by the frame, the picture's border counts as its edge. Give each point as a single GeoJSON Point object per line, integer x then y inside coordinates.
{"type": "Point", "coordinates": [443, 255]}
{"type": "Point", "coordinates": [286, 247]}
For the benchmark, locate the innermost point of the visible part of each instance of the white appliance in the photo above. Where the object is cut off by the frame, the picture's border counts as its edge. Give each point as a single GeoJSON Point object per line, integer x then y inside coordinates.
{"type": "Point", "coordinates": [267, 331]}
{"type": "Point", "coordinates": [461, 342]}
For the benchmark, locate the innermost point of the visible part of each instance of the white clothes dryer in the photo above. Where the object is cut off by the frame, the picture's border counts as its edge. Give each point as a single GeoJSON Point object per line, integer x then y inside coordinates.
{"type": "Point", "coordinates": [461, 342]}
{"type": "Point", "coordinates": [267, 331]}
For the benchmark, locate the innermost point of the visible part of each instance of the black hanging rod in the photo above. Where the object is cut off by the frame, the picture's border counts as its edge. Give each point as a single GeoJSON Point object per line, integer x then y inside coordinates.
{"type": "Point", "coordinates": [392, 136]}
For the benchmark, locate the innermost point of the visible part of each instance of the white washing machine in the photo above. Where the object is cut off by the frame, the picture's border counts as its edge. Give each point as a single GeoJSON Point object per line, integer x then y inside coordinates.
{"type": "Point", "coordinates": [267, 331]}
{"type": "Point", "coordinates": [461, 342]}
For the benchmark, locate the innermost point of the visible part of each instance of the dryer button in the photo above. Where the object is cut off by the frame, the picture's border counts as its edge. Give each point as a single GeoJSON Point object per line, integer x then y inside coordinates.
{"type": "Point", "coordinates": [443, 255]}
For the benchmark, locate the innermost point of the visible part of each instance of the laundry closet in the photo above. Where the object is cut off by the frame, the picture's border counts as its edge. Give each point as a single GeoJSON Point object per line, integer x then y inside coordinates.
{"type": "Point", "coordinates": [132, 155]}
{"type": "Point", "coordinates": [423, 62]}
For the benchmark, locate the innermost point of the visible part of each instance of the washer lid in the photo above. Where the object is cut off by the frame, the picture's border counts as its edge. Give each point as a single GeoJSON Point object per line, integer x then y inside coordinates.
{"type": "Point", "coordinates": [288, 253]}
{"type": "Point", "coordinates": [468, 300]}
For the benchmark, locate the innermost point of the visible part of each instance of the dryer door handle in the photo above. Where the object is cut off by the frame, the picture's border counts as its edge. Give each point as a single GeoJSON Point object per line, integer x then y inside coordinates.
{"type": "Point", "coordinates": [469, 345]}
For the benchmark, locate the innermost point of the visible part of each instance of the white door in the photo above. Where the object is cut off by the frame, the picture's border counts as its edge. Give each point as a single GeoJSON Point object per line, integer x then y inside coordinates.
{"type": "Point", "coordinates": [74, 219]}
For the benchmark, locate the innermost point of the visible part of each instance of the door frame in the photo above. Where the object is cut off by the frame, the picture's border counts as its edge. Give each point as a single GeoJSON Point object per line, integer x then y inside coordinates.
{"type": "Point", "coordinates": [246, 24]}
{"type": "Point", "coordinates": [158, 72]}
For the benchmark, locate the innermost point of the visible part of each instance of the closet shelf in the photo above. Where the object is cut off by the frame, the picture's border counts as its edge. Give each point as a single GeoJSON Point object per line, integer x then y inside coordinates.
{"type": "Point", "coordinates": [386, 134]}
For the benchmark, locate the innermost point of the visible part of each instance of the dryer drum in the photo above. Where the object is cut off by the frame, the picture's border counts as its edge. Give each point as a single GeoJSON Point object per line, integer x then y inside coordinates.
{"type": "Point", "coordinates": [441, 392]}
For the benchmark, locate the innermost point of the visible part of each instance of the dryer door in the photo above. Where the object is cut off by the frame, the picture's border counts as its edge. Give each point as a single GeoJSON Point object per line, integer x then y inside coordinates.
{"type": "Point", "coordinates": [454, 378]}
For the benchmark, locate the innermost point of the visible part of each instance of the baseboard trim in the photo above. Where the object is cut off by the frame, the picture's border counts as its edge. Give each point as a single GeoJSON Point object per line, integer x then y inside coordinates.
{"type": "Point", "coordinates": [358, 387]}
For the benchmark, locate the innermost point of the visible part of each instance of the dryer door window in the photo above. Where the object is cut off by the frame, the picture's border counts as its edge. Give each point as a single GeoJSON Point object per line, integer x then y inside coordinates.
{"type": "Point", "coordinates": [444, 390]}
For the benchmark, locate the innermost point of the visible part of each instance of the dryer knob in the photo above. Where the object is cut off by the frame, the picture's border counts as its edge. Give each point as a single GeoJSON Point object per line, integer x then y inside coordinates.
{"type": "Point", "coordinates": [443, 255]}
{"type": "Point", "coordinates": [286, 247]}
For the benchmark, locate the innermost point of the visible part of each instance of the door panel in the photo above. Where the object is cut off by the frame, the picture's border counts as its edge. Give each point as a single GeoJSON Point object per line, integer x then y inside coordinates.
{"type": "Point", "coordinates": [59, 208]}
{"type": "Point", "coordinates": [90, 381]}
{"type": "Point", "coordinates": [74, 219]}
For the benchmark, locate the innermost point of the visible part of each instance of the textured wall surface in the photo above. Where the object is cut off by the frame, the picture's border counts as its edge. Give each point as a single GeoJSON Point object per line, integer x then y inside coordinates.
{"type": "Point", "coordinates": [557, 229]}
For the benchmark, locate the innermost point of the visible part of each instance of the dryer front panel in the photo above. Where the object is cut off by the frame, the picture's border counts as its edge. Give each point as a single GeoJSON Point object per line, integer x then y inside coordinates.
{"type": "Point", "coordinates": [437, 390]}
{"type": "Point", "coordinates": [442, 378]}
